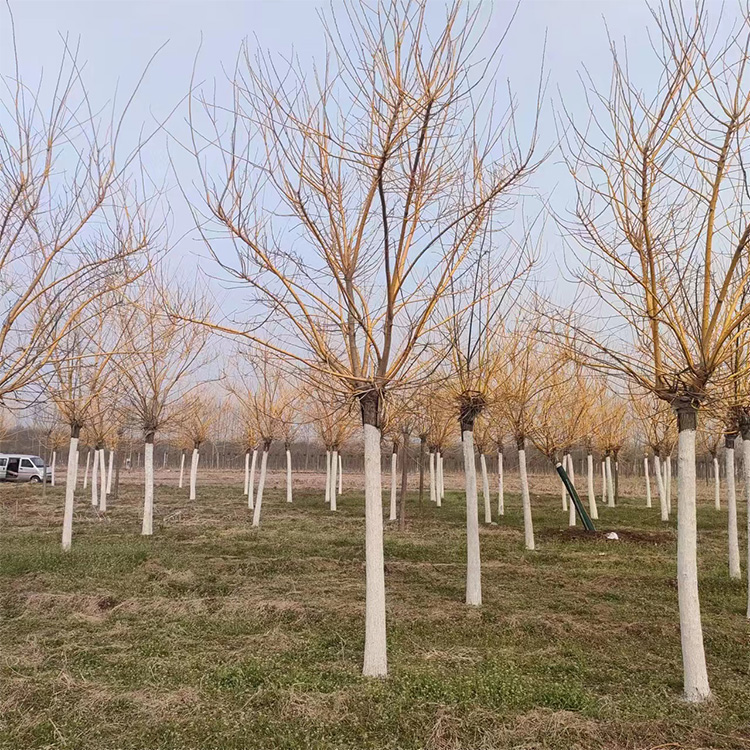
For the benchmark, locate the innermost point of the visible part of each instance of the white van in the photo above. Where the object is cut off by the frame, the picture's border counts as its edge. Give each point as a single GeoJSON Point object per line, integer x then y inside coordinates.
{"type": "Point", "coordinates": [15, 467]}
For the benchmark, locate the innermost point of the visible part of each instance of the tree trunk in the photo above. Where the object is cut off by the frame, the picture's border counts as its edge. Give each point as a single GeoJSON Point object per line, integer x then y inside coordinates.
{"type": "Point", "coordinates": [110, 470]}
{"type": "Point", "coordinates": [404, 482]}
{"type": "Point", "coordinates": [70, 487]}
{"type": "Point", "coordinates": [691, 632]}
{"type": "Point", "coordinates": [182, 470]}
{"type": "Point", "coordinates": [564, 494]}
{"type": "Point", "coordinates": [328, 477]}
{"type": "Point", "coordinates": [610, 483]}
{"type": "Point", "coordinates": [392, 514]}
{"type": "Point", "coordinates": [604, 482]}
{"type": "Point", "coordinates": [746, 477]}
{"type": "Point", "coordinates": [433, 486]}
{"type": "Point", "coordinates": [528, 524]}
{"type": "Point", "coordinates": [485, 490]}
{"type": "Point", "coordinates": [473, 557]}
{"type": "Point", "coordinates": [251, 481]}
{"type": "Point", "coordinates": [86, 473]}
{"type": "Point", "coordinates": [375, 662]}
{"type": "Point", "coordinates": [648, 481]}
{"type": "Point", "coordinates": [717, 484]}
{"type": "Point", "coordinates": [593, 510]}
{"type": "Point", "coordinates": [332, 490]}
{"type": "Point", "coordinates": [288, 475]}
{"type": "Point", "coordinates": [616, 475]}
{"type": "Point", "coordinates": [193, 472]}
{"type": "Point", "coordinates": [102, 480]}
{"type": "Point", "coordinates": [440, 485]}
{"type": "Point", "coordinates": [500, 487]}
{"type": "Point", "coordinates": [422, 443]}
{"type": "Point", "coordinates": [341, 474]}
{"type": "Point", "coordinates": [95, 479]}
{"type": "Point", "coordinates": [116, 489]}
{"type": "Point", "coordinates": [52, 469]}
{"type": "Point", "coordinates": [261, 485]}
{"type": "Point", "coordinates": [668, 484]}
{"type": "Point", "coordinates": [247, 471]}
{"type": "Point", "coordinates": [734, 540]}
{"type": "Point", "coordinates": [571, 504]}
{"type": "Point", "coordinates": [147, 528]}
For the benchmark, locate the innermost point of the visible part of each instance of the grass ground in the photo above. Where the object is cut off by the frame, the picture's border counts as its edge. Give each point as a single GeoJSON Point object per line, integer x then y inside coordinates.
{"type": "Point", "coordinates": [214, 636]}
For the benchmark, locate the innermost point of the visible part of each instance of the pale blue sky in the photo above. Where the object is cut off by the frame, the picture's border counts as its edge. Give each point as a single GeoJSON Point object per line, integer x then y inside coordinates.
{"type": "Point", "coordinates": [118, 37]}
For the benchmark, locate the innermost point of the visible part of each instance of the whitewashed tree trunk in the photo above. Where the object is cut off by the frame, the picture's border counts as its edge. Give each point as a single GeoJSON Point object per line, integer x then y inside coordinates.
{"type": "Point", "coordinates": [52, 469]}
{"type": "Point", "coordinates": [610, 483]}
{"type": "Point", "coordinates": [604, 483]}
{"type": "Point", "coordinates": [70, 488]}
{"type": "Point", "coordinates": [110, 470]}
{"type": "Point", "coordinates": [500, 487]}
{"type": "Point", "coordinates": [433, 487]}
{"type": "Point", "coordinates": [486, 490]}
{"type": "Point", "coordinates": [328, 477]}
{"type": "Point", "coordinates": [147, 529]}
{"type": "Point", "coordinates": [334, 467]}
{"type": "Point", "coordinates": [668, 483]}
{"type": "Point", "coordinates": [659, 471]}
{"type": "Point", "coordinates": [734, 540]}
{"type": "Point", "coordinates": [648, 481]}
{"type": "Point", "coordinates": [571, 504]}
{"type": "Point", "coordinates": [691, 631]}
{"type": "Point", "coordinates": [251, 481]}
{"type": "Point", "coordinates": [392, 513]}
{"type": "Point", "coordinates": [717, 484]}
{"type": "Point", "coordinates": [564, 493]}
{"type": "Point", "coordinates": [102, 480]}
{"type": "Point", "coordinates": [528, 524]}
{"type": "Point", "coordinates": [194, 472]}
{"type": "Point", "coordinates": [247, 471]}
{"type": "Point", "coordinates": [86, 473]}
{"type": "Point", "coordinates": [375, 658]}
{"type": "Point", "coordinates": [341, 475]}
{"type": "Point", "coordinates": [288, 475]}
{"type": "Point", "coordinates": [441, 479]}
{"type": "Point", "coordinates": [746, 483]}
{"type": "Point", "coordinates": [473, 556]}
{"type": "Point", "coordinates": [182, 470]}
{"type": "Point", "coordinates": [261, 486]}
{"type": "Point", "coordinates": [95, 479]}
{"type": "Point", "coordinates": [593, 510]}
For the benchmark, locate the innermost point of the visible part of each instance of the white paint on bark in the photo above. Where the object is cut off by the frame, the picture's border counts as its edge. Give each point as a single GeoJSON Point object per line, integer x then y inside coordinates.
{"type": "Point", "coordinates": [610, 483]}
{"type": "Point", "coordinates": [571, 504]}
{"type": "Point", "coordinates": [433, 487]}
{"type": "Point", "coordinates": [691, 631]}
{"type": "Point", "coordinates": [194, 472]}
{"type": "Point", "coordinates": [182, 470]}
{"type": "Point", "coordinates": [440, 480]}
{"type": "Point", "coordinates": [500, 487]}
{"type": "Point", "coordinates": [486, 490]}
{"type": "Point", "coordinates": [392, 513]}
{"type": "Point", "coordinates": [528, 524]}
{"type": "Point", "coordinates": [328, 477]}
{"type": "Point", "coordinates": [473, 557]}
{"type": "Point", "coordinates": [52, 469]}
{"type": "Point", "coordinates": [110, 470]}
{"type": "Point", "coordinates": [147, 528]}
{"type": "Point", "coordinates": [247, 471]}
{"type": "Point", "coordinates": [261, 486]}
{"type": "Point", "coordinates": [668, 483]}
{"type": "Point", "coordinates": [746, 477]}
{"type": "Point", "coordinates": [341, 475]}
{"type": "Point", "coordinates": [564, 493]}
{"type": "Point", "coordinates": [86, 473]}
{"type": "Point", "coordinates": [593, 510]}
{"type": "Point", "coordinates": [289, 476]}
{"type": "Point", "coordinates": [102, 481]}
{"type": "Point", "coordinates": [717, 484]}
{"type": "Point", "coordinates": [332, 490]}
{"type": "Point", "coordinates": [95, 480]}
{"type": "Point", "coordinates": [251, 481]}
{"type": "Point", "coordinates": [375, 662]}
{"type": "Point", "coordinates": [648, 481]}
{"type": "Point", "coordinates": [734, 540]}
{"type": "Point", "coordinates": [70, 488]}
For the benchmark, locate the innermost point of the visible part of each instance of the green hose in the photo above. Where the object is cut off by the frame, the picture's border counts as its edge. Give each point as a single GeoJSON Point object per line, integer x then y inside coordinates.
{"type": "Point", "coordinates": [588, 524]}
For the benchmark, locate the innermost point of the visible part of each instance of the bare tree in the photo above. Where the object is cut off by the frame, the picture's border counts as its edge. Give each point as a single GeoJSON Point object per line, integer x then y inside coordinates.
{"type": "Point", "coordinates": [387, 165]}
{"type": "Point", "coordinates": [662, 219]}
